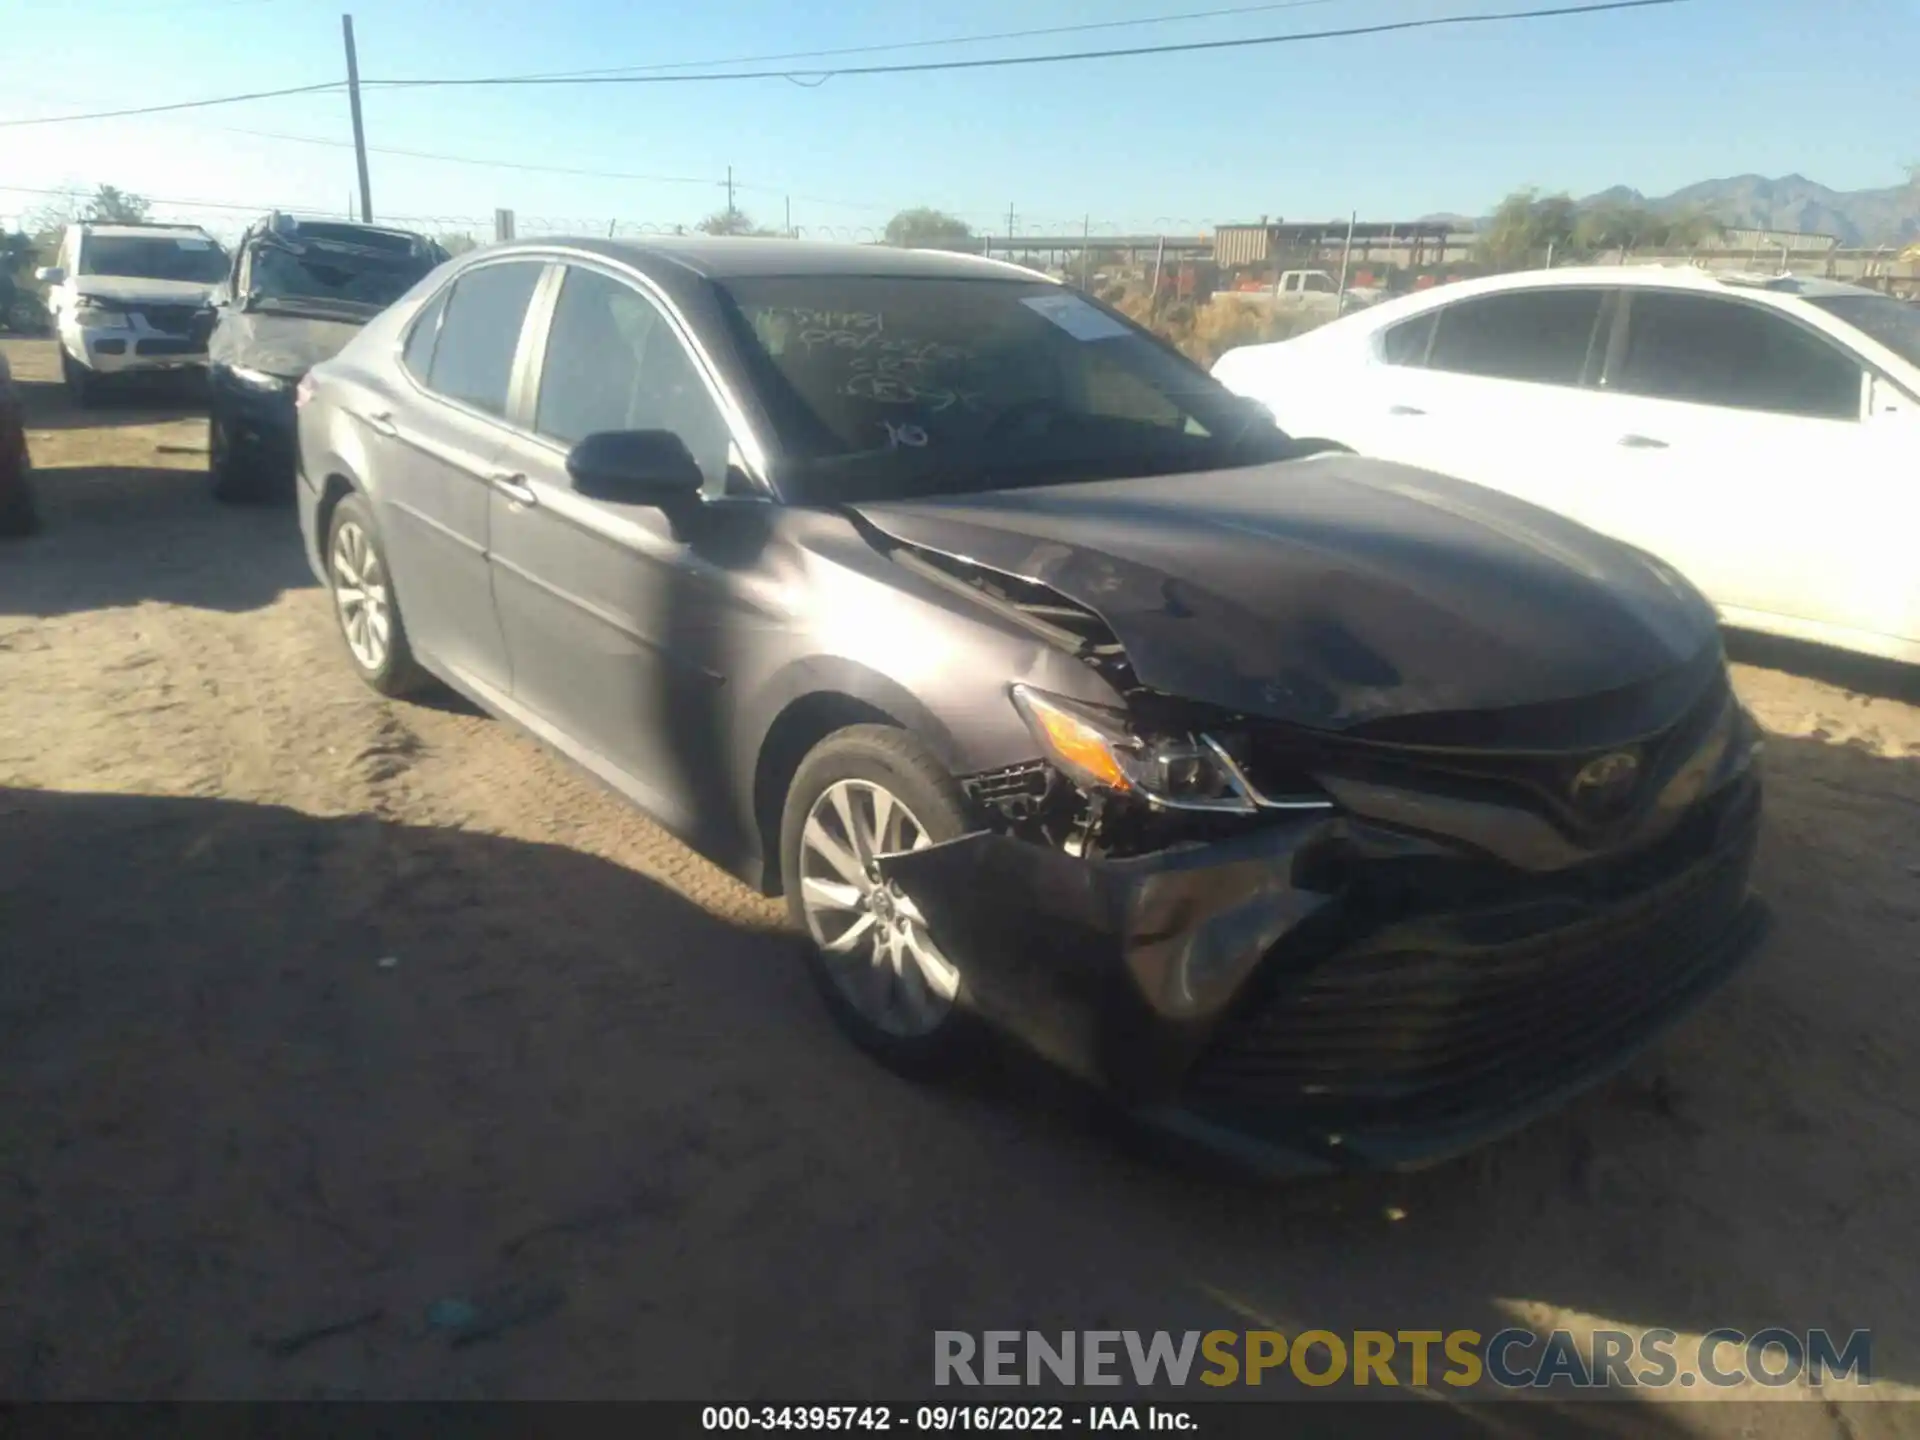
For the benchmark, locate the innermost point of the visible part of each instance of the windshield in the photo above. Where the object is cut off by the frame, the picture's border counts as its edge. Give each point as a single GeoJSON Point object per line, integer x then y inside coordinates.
{"type": "Point", "coordinates": [887, 387]}
{"type": "Point", "coordinates": [154, 257]}
{"type": "Point", "coordinates": [1893, 323]}
{"type": "Point", "coordinates": [329, 276]}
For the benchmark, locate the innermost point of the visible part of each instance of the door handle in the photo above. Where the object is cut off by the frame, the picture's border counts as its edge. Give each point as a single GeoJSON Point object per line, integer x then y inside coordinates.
{"type": "Point", "coordinates": [381, 422]}
{"type": "Point", "coordinates": [1642, 442]}
{"type": "Point", "coordinates": [514, 486]}
{"type": "Point", "coordinates": [1405, 410]}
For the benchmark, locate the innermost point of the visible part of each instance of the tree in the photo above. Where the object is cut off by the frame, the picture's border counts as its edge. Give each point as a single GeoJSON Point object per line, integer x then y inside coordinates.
{"type": "Point", "coordinates": [113, 206]}
{"type": "Point", "coordinates": [923, 228]}
{"type": "Point", "coordinates": [731, 222]}
{"type": "Point", "coordinates": [1523, 227]}
{"type": "Point", "coordinates": [1628, 227]}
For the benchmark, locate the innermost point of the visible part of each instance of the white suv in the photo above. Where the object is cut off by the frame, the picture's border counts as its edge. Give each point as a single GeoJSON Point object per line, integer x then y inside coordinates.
{"type": "Point", "coordinates": [1760, 433]}
{"type": "Point", "coordinates": [130, 298]}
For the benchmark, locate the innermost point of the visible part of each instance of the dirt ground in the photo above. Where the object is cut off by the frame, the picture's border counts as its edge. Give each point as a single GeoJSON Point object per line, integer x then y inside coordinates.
{"type": "Point", "coordinates": [316, 1009]}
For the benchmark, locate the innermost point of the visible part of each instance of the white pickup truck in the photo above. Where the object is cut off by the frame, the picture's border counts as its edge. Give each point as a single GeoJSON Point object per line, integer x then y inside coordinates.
{"type": "Point", "coordinates": [1312, 292]}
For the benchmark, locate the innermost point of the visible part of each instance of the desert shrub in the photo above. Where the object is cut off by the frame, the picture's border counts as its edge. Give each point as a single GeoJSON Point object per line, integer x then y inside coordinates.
{"type": "Point", "coordinates": [1206, 331]}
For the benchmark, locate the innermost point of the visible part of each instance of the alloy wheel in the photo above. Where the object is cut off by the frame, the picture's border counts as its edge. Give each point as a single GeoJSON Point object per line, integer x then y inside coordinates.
{"type": "Point", "coordinates": [872, 936]}
{"type": "Point", "coordinates": [360, 595]}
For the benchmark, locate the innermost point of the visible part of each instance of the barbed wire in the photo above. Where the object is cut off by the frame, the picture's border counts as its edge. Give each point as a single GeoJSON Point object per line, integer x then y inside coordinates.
{"type": "Point", "coordinates": [231, 214]}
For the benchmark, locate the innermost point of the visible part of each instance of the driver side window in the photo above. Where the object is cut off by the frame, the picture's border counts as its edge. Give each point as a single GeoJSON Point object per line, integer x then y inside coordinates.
{"type": "Point", "coordinates": [615, 362]}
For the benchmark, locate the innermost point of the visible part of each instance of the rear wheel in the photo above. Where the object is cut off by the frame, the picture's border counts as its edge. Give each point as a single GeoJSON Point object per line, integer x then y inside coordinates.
{"type": "Point", "coordinates": [863, 792]}
{"type": "Point", "coordinates": [364, 604]}
{"type": "Point", "coordinates": [18, 517]}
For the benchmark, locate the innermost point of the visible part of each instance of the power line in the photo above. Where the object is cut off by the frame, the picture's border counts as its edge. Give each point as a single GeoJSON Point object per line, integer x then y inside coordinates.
{"type": "Point", "coordinates": [476, 160]}
{"type": "Point", "coordinates": [946, 40]}
{"type": "Point", "coordinates": [314, 89]}
{"type": "Point", "coordinates": [1001, 61]}
{"type": "Point", "coordinates": [919, 67]}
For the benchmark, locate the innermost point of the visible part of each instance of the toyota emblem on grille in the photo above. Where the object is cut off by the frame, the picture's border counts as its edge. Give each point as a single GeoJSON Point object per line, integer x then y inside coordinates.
{"type": "Point", "coordinates": [1604, 786]}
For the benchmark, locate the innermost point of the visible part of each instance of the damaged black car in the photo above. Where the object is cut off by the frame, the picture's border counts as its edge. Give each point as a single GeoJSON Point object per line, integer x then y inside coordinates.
{"type": "Point", "coordinates": [298, 291]}
{"type": "Point", "coordinates": [1324, 811]}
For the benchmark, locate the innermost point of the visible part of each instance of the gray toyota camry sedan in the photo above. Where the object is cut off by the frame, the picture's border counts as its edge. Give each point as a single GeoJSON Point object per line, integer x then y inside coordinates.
{"type": "Point", "coordinates": [1324, 811]}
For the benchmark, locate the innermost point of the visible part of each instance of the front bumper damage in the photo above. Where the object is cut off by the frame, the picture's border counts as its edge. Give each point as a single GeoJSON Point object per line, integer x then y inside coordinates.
{"type": "Point", "coordinates": [1339, 991]}
{"type": "Point", "coordinates": [262, 420]}
{"type": "Point", "coordinates": [131, 342]}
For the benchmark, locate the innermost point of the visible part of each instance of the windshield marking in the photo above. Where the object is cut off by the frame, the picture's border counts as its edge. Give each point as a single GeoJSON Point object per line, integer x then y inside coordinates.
{"type": "Point", "coordinates": [905, 433]}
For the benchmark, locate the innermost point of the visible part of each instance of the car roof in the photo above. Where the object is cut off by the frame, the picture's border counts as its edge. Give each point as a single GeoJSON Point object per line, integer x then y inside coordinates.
{"type": "Point", "coordinates": [323, 229]}
{"type": "Point", "coordinates": [1655, 275]}
{"type": "Point", "coordinates": [727, 257]}
{"type": "Point", "coordinates": [114, 230]}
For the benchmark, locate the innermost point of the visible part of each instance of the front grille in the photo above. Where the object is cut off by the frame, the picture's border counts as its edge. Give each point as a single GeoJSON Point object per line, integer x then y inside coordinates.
{"type": "Point", "coordinates": [170, 319]}
{"type": "Point", "coordinates": [1406, 1036]}
{"type": "Point", "coordinates": [1540, 781]}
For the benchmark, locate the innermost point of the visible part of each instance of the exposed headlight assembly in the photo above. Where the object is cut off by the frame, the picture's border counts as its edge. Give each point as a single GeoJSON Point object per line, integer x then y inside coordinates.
{"type": "Point", "coordinates": [95, 314]}
{"type": "Point", "coordinates": [1095, 749]}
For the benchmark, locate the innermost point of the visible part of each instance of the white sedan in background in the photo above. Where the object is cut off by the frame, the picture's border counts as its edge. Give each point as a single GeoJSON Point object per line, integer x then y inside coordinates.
{"type": "Point", "coordinates": [1760, 434]}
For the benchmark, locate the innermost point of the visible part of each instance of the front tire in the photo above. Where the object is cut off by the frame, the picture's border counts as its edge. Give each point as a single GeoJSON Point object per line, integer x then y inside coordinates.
{"type": "Point", "coordinates": [233, 473]}
{"type": "Point", "coordinates": [364, 606]}
{"type": "Point", "coordinates": [864, 791]}
{"type": "Point", "coordinates": [83, 386]}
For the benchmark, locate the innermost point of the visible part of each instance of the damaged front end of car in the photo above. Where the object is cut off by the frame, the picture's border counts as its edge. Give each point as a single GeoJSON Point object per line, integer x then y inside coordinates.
{"type": "Point", "coordinates": [1320, 949]}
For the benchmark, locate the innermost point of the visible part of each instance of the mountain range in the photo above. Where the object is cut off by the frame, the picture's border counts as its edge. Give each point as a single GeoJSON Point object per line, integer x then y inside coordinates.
{"type": "Point", "coordinates": [1889, 216]}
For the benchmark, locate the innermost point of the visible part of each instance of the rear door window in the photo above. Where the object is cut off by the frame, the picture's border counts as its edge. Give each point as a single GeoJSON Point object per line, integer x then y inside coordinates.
{"type": "Point", "coordinates": [480, 332]}
{"type": "Point", "coordinates": [1542, 336]}
{"type": "Point", "coordinates": [1706, 350]}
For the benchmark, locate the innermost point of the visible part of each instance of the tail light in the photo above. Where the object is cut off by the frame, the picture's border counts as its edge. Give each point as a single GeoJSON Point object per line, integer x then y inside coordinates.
{"type": "Point", "coordinates": [303, 392]}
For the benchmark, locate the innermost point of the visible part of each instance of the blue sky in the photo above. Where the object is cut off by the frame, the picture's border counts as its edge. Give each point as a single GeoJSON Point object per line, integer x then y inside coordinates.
{"type": "Point", "coordinates": [1394, 126]}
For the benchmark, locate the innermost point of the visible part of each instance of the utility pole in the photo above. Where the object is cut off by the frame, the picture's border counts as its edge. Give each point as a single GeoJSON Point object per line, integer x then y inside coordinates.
{"type": "Point", "coordinates": [1086, 252]}
{"type": "Point", "coordinates": [789, 200]}
{"type": "Point", "coordinates": [1346, 258]}
{"type": "Point", "coordinates": [1159, 258]}
{"type": "Point", "coordinates": [359, 130]}
{"type": "Point", "coordinates": [729, 192]}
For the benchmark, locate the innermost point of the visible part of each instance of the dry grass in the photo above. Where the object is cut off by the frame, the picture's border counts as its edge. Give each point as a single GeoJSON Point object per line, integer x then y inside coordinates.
{"type": "Point", "coordinates": [1206, 330]}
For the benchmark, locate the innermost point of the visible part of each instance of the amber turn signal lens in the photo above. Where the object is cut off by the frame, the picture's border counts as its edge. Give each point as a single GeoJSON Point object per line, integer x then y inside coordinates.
{"type": "Point", "coordinates": [1078, 746]}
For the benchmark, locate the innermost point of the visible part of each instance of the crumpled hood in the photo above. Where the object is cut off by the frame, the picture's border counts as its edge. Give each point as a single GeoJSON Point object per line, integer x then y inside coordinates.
{"type": "Point", "coordinates": [136, 289]}
{"type": "Point", "coordinates": [284, 345]}
{"type": "Point", "coordinates": [1335, 590]}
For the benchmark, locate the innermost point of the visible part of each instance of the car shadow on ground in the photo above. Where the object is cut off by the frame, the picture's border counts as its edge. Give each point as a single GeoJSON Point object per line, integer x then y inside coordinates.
{"type": "Point", "coordinates": [275, 1084]}
{"type": "Point", "coordinates": [135, 400]}
{"type": "Point", "coordinates": [1861, 674]}
{"type": "Point", "coordinates": [114, 535]}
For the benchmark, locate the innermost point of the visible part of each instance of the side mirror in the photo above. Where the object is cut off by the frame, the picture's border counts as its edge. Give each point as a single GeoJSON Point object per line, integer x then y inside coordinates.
{"type": "Point", "coordinates": [635, 467]}
{"type": "Point", "coordinates": [50, 275]}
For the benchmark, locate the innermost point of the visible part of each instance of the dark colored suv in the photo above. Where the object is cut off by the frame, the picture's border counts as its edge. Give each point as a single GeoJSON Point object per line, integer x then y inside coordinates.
{"type": "Point", "coordinates": [298, 291]}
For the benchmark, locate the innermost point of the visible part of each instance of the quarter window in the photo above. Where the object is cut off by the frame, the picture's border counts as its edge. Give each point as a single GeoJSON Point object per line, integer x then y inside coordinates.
{"type": "Point", "coordinates": [614, 362]}
{"type": "Point", "coordinates": [1709, 351]}
{"type": "Point", "coordinates": [418, 356]}
{"type": "Point", "coordinates": [1406, 343]}
{"type": "Point", "coordinates": [479, 333]}
{"type": "Point", "coordinates": [1543, 336]}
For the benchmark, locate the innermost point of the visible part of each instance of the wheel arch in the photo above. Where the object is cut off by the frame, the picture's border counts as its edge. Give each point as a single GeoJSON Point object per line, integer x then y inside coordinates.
{"type": "Point", "coordinates": [335, 488]}
{"type": "Point", "coordinates": [846, 695]}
